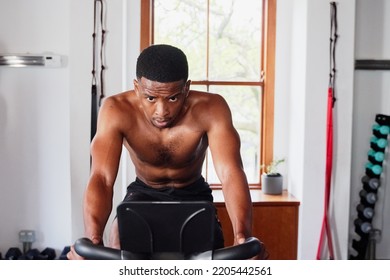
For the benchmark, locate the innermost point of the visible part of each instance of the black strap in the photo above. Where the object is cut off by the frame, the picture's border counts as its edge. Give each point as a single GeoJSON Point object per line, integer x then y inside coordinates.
{"type": "Point", "coordinates": [95, 87]}
{"type": "Point", "coordinates": [102, 67]}
{"type": "Point", "coordinates": [332, 48]}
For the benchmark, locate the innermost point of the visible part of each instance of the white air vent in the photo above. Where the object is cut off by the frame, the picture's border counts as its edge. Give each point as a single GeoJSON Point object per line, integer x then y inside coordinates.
{"type": "Point", "coordinates": [25, 60]}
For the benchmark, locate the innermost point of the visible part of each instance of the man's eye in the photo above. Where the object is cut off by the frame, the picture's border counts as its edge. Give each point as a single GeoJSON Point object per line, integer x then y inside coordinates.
{"type": "Point", "coordinates": [150, 98]}
{"type": "Point", "coordinates": [173, 99]}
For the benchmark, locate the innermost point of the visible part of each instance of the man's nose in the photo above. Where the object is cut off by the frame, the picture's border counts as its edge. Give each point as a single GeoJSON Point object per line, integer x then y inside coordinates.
{"type": "Point", "coordinates": [161, 109]}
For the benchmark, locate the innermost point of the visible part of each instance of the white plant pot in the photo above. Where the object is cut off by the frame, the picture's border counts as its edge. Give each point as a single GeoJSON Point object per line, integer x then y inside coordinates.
{"type": "Point", "coordinates": [272, 184]}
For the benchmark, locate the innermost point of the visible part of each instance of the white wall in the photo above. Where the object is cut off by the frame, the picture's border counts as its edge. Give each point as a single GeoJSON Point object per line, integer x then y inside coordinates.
{"type": "Point", "coordinates": [121, 49]}
{"type": "Point", "coordinates": [45, 113]}
{"type": "Point", "coordinates": [302, 65]}
{"type": "Point", "coordinates": [34, 126]}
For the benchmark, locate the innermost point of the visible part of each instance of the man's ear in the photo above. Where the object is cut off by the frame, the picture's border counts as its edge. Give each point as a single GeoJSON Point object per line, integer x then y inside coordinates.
{"type": "Point", "coordinates": [136, 85]}
{"type": "Point", "coordinates": [187, 87]}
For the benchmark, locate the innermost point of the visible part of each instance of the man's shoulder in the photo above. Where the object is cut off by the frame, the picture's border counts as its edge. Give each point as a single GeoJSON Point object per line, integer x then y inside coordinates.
{"type": "Point", "coordinates": [117, 107]}
{"type": "Point", "coordinates": [118, 101]}
{"type": "Point", "coordinates": [205, 99]}
{"type": "Point", "coordinates": [119, 97]}
{"type": "Point", "coordinates": [207, 102]}
{"type": "Point", "coordinates": [207, 108]}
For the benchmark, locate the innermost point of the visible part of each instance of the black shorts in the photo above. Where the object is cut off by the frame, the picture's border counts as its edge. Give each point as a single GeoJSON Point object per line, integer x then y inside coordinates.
{"type": "Point", "coordinates": [197, 191]}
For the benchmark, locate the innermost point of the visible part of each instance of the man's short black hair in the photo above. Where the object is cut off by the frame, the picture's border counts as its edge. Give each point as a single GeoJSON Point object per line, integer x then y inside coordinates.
{"type": "Point", "coordinates": [162, 63]}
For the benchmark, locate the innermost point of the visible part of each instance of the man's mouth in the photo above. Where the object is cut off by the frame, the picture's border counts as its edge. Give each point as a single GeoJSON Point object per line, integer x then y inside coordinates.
{"type": "Point", "coordinates": [161, 123]}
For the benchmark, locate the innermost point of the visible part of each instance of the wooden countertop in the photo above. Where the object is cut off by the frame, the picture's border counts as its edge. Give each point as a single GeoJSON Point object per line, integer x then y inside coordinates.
{"type": "Point", "coordinates": [258, 197]}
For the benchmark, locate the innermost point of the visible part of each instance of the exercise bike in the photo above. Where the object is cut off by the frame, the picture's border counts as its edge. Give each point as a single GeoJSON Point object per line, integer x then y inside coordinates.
{"type": "Point", "coordinates": [168, 231]}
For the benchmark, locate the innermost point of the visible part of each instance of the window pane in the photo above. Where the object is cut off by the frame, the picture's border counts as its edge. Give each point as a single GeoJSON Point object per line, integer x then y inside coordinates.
{"type": "Point", "coordinates": [231, 53]}
{"type": "Point", "coordinates": [244, 102]}
{"type": "Point", "coordinates": [235, 40]}
{"type": "Point", "coordinates": [184, 25]}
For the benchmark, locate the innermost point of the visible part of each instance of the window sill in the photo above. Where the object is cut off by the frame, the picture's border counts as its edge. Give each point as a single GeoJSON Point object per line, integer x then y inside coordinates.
{"type": "Point", "coordinates": [251, 186]}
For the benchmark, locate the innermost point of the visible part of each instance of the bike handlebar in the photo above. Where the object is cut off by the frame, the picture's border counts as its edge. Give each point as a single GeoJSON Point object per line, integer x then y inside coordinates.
{"type": "Point", "coordinates": [249, 249]}
{"type": "Point", "coordinates": [252, 247]}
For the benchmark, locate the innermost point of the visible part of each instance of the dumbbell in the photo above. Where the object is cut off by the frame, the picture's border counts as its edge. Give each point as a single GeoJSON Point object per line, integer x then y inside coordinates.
{"type": "Point", "coordinates": [375, 169]}
{"type": "Point", "coordinates": [366, 211]}
{"type": "Point", "coordinates": [376, 156]}
{"type": "Point", "coordinates": [34, 254]}
{"type": "Point", "coordinates": [13, 253]}
{"type": "Point", "coordinates": [381, 130]}
{"type": "Point", "coordinates": [378, 144]}
{"type": "Point", "coordinates": [384, 130]}
{"type": "Point", "coordinates": [368, 197]}
{"type": "Point", "coordinates": [50, 253]}
{"type": "Point", "coordinates": [372, 183]}
{"type": "Point", "coordinates": [364, 227]}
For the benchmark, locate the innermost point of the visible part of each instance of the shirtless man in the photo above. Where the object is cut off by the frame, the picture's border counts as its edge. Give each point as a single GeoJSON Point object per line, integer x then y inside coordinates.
{"type": "Point", "coordinates": [166, 128]}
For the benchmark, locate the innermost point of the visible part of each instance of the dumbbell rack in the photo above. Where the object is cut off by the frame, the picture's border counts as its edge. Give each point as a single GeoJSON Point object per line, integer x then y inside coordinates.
{"type": "Point", "coordinates": [371, 182]}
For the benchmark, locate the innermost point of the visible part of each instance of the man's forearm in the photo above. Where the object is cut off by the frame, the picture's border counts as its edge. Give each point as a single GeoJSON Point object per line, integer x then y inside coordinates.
{"type": "Point", "coordinates": [94, 227]}
{"type": "Point", "coordinates": [239, 206]}
{"type": "Point", "coordinates": [97, 209]}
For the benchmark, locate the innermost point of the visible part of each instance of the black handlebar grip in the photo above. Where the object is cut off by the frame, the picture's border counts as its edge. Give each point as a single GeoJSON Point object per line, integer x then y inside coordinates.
{"type": "Point", "coordinates": [85, 248]}
{"type": "Point", "coordinates": [249, 249]}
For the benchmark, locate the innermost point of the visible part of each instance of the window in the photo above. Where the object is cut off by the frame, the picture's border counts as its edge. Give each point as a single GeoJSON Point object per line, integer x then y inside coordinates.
{"type": "Point", "coordinates": [230, 49]}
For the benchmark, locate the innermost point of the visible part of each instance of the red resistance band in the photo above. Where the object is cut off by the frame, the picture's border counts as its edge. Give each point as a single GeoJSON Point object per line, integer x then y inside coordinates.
{"type": "Point", "coordinates": [326, 228]}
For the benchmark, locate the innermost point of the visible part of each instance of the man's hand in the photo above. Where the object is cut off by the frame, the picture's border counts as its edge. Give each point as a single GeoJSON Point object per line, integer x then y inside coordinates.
{"type": "Point", "coordinates": [263, 254]}
{"type": "Point", "coordinates": [240, 238]}
{"type": "Point", "coordinates": [72, 255]}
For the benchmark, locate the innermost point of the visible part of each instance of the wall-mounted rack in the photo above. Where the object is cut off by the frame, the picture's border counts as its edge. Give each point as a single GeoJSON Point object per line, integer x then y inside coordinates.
{"type": "Point", "coordinates": [372, 64]}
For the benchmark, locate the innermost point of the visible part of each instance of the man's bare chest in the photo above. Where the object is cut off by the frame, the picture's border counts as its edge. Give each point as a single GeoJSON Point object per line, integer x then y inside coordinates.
{"type": "Point", "coordinates": [176, 147]}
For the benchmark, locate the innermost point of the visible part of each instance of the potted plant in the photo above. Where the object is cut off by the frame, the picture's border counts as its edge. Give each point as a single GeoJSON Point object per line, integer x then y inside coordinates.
{"type": "Point", "coordinates": [271, 179]}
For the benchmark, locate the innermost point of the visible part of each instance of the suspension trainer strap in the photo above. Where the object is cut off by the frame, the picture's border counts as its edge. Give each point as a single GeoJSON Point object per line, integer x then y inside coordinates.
{"type": "Point", "coordinates": [95, 104]}
{"type": "Point", "coordinates": [102, 67]}
{"type": "Point", "coordinates": [326, 229]}
{"type": "Point", "coordinates": [333, 41]}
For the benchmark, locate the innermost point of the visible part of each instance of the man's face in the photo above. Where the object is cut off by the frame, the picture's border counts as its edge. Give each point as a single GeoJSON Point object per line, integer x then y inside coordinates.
{"type": "Point", "coordinates": [161, 102]}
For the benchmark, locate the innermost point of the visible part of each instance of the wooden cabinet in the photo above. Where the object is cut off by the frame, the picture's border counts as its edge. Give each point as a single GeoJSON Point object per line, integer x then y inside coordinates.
{"type": "Point", "coordinates": [275, 222]}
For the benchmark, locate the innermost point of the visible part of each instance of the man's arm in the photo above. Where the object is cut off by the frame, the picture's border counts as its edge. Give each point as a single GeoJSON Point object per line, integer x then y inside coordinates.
{"type": "Point", "coordinates": [106, 149]}
{"type": "Point", "coordinates": [224, 143]}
